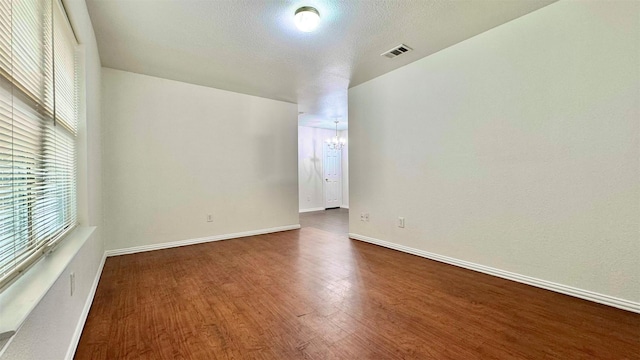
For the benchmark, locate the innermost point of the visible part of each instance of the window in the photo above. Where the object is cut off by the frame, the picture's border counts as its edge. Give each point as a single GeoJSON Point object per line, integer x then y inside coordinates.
{"type": "Point", "coordinates": [38, 127]}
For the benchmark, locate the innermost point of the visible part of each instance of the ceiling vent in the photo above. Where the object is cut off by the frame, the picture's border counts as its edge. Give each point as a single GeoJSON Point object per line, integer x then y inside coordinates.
{"type": "Point", "coordinates": [396, 51]}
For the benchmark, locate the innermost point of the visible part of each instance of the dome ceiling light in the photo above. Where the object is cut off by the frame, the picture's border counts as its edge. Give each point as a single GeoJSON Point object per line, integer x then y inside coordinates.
{"type": "Point", "coordinates": [307, 18]}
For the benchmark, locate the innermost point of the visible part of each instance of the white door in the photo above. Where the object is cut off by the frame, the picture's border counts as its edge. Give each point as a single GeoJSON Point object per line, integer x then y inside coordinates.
{"type": "Point", "coordinates": [332, 166]}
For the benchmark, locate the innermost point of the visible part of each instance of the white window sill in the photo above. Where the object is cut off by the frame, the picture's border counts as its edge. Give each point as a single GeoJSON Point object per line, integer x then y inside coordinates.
{"type": "Point", "coordinates": [20, 298]}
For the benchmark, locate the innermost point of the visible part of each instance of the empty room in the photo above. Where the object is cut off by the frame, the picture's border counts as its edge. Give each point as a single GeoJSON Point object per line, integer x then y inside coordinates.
{"type": "Point", "coordinates": [322, 179]}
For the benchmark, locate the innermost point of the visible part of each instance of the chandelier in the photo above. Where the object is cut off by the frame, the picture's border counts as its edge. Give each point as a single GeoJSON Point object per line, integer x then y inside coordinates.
{"type": "Point", "coordinates": [336, 143]}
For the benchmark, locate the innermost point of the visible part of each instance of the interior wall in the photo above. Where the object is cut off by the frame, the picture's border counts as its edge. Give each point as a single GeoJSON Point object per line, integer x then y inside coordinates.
{"type": "Point", "coordinates": [517, 149]}
{"type": "Point", "coordinates": [345, 170]}
{"type": "Point", "coordinates": [176, 152]}
{"type": "Point", "coordinates": [50, 330]}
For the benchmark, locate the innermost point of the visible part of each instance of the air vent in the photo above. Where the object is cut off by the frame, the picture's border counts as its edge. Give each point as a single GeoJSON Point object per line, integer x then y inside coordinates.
{"type": "Point", "coordinates": [397, 51]}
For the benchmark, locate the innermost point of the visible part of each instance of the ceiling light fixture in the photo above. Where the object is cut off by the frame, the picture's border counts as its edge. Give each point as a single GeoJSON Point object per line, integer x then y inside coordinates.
{"type": "Point", "coordinates": [336, 143]}
{"type": "Point", "coordinates": [307, 18]}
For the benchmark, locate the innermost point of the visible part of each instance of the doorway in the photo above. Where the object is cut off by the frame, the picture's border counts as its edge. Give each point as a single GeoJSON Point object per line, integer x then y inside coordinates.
{"type": "Point", "coordinates": [315, 165]}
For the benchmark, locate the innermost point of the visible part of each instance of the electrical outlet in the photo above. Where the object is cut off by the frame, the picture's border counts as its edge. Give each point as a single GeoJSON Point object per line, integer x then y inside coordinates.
{"type": "Point", "coordinates": [72, 283]}
{"type": "Point", "coordinates": [209, 218]}
{"type": "Point", "coordinates": [366, 217]}
{"type": "Point", "coordinates": [400, 222]}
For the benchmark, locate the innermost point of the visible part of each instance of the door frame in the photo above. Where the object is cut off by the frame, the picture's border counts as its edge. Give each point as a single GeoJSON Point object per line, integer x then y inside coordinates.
{"type": "Point", "coordinates": [325, 148]}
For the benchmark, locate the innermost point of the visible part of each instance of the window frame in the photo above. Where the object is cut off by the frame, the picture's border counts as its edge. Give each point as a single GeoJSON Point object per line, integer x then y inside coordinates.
{"type": "Point", "coordinates": [65, 201]}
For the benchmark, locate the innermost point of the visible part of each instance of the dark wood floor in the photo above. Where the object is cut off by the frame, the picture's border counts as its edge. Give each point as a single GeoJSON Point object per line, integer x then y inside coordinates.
{"type": "Point", "coordinates": [315, 294]}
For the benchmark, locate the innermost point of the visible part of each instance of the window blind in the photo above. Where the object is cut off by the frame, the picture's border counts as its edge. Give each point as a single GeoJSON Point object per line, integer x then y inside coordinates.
{"type": "Point", "coordinates": [38, 128]}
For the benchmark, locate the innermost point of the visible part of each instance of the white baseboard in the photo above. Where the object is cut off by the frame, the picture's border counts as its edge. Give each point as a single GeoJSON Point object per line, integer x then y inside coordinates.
{"type": "Point", "coordinates": [345, 207]}
{"type": "Point", "coordinates": [311, 209]}
{"type": "Point", "coordinates": [75, 340]}
{"type": "Point", "coordinates": [544, 284]}
{"type": "Point", "coordinates": [172, 244]}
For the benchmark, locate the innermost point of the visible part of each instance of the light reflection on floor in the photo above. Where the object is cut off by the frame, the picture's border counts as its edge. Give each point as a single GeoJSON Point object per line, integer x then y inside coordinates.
{"type": "Point", "coordinates": [329, 273]}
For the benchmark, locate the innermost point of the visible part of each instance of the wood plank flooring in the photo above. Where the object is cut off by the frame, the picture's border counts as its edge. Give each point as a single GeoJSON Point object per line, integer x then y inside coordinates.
{"type": "Point", "coordinates": [315, 294]}
{"type": "Point", "coordinates": [332, 220]}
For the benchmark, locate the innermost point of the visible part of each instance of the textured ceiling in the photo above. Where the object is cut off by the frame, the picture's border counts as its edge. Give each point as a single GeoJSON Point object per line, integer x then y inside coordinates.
{"type": "Point", "coordinates": [253, 47]}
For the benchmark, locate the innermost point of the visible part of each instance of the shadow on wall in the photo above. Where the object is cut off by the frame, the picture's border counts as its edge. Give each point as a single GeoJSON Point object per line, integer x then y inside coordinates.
{"type": "Point", "coordinates": [311, 165]}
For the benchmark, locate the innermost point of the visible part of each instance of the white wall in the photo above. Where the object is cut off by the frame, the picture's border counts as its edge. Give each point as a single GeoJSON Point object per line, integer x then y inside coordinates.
{"type": "Point", "coordinates": [517, 149]}
{"type": "Point", "coordinates": [175, 152]}
{"type": "Point", "coordinates": [345, 169]}
{"type": "Point", "coordinates": [52, 327]}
